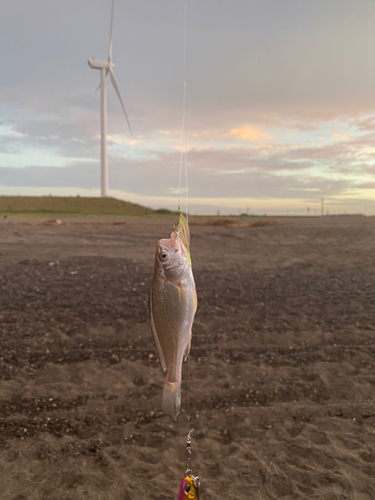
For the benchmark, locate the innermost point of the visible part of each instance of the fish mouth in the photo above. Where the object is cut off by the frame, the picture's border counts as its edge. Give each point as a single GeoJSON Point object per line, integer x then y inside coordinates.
{"type": "Point", "coordinates": [163, 247]}
{"type": "Point", "coordinates": [171, 244]}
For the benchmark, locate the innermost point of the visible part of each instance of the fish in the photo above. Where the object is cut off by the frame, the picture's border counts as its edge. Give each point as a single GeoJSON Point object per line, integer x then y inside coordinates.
{"type": "Point", "coordinates": [189, 489]}
{"type": "Point", "coordinates": [173, 303]}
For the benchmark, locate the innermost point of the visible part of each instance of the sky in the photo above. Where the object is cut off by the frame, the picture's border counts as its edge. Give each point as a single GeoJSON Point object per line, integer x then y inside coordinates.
{"type": "Point", "coordinates": [280, 103]}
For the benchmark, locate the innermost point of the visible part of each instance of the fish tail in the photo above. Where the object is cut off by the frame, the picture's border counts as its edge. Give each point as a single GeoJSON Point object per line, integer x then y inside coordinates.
{"type": "Point", "coordinates": [172, 398]}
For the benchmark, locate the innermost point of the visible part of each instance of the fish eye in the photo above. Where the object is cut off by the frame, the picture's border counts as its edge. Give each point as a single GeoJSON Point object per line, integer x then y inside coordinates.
{"type": "Point", "coordinates": [187, 488]}
{"type": "Point", "coordinates": [163, 256]}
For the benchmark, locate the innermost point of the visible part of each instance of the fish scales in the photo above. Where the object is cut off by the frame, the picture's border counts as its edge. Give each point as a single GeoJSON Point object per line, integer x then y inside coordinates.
{"type": "Point", "coordinates": [173, 305]}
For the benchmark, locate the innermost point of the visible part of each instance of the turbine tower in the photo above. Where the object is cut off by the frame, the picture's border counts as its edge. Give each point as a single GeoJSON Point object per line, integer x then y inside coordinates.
{"type": "Point", "coordinates": [106, 67]}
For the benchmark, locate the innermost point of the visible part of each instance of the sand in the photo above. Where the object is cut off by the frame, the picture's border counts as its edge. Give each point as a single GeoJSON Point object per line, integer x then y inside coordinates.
{"type": "Point", "coordinates": [282, 363]}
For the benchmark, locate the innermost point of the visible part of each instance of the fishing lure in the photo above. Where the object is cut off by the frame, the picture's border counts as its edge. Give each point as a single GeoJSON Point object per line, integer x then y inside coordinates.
{"type": "Point", "coordinates": [189, 489]}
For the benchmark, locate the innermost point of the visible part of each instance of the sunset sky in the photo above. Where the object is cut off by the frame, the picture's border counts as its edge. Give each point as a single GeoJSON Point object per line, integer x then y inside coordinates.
{"type": "Point", "coordinates": [280, 102]}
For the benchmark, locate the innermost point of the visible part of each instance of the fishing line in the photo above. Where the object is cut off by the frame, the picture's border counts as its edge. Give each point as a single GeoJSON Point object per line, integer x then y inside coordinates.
{"type": "Point", "coordinates": [183, 165]}
{"type": "Point", "coordinates": [191, 482]}
{"type": "Point", "coordinates": [183, 157]}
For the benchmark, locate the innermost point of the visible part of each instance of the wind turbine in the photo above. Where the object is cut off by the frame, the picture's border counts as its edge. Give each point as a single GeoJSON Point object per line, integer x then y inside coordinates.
{"type": "Point", "coordinates": [105, 68]}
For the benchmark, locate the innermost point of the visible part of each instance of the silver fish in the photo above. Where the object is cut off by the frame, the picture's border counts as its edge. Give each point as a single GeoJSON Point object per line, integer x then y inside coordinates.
{"type": "Point", "coordinates": [173, 303]}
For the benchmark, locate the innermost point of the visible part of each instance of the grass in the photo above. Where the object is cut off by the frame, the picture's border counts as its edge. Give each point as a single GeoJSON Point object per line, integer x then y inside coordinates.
{"type": "Point", "coordinates": [165, 211]}
{"type": "Point", "coordinates": [70, 205]}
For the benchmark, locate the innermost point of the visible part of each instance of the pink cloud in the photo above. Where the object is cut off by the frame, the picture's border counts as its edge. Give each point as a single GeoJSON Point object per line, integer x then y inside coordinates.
{"type": "Point", "coordinates": [250, 133]}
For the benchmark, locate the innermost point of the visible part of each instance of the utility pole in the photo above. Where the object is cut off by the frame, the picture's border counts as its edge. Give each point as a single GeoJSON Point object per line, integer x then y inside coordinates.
{"type": "Point", "coordinates": [322, 209]}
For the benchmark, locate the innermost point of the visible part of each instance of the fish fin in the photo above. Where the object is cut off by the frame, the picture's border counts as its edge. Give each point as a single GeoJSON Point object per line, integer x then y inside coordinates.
{"type": "Point", "coordinates": [155, 335]}
{"type": "Point", "coordinates": [188, 345]}
{"type": "Point", "coordinates": [187, 349]}
{"type": "Point", "coordinates": [172, 399]}
{"type": "Point", "coordinates": [183, 230]}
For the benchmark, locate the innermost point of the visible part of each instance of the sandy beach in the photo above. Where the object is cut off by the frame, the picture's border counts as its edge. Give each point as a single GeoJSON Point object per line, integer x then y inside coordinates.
{"type": "Point", "coordinates": [282, 387]}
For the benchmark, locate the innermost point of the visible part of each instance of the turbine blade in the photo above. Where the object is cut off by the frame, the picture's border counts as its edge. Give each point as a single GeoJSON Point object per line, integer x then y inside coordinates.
{"type": "Point", "coordinates": [114, 83]}
{"type": "Point", "coordinates": [98, 87]}
{"type": "Point", "coordinates": [110, 52]}
{"type": "Point", "coordinates": [110, 36]}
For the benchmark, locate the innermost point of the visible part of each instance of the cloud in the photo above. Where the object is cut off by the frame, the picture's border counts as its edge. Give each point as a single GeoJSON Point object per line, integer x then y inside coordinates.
{"type": "Point", "coordinates": [342, 136]}
{"type": "Point", "coordinates": [271, 110]}
{"type": "Point", "coordinates": [299, 72]}
{"type": "Point", "coordinates": [364, 123]}
{"type": "Point", "coordinates": [212, 174]}
{"type": "Point", "coordinates": [121, 139]}
{"type": "Point", "coordinates": [12, 133]}
{"type": "Point", "coordinates": [249, 133]}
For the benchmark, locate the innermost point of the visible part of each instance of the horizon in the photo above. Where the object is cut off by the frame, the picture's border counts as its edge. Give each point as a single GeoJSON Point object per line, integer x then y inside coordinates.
{"type": "Point", "coordinates": [213, 212]}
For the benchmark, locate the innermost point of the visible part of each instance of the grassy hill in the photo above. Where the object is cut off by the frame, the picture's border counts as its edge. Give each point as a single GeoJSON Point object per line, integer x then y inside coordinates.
{"type": "Point", "coordinates": [69, 205]}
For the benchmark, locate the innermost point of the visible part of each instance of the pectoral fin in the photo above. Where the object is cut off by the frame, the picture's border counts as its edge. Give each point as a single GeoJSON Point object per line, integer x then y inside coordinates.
{"type": "Point", "coordinates": [195, 300]}
{"type": "Point", "coordinates": [187, 349]}
{"type": "Point", "coordinates": [155, 335]}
